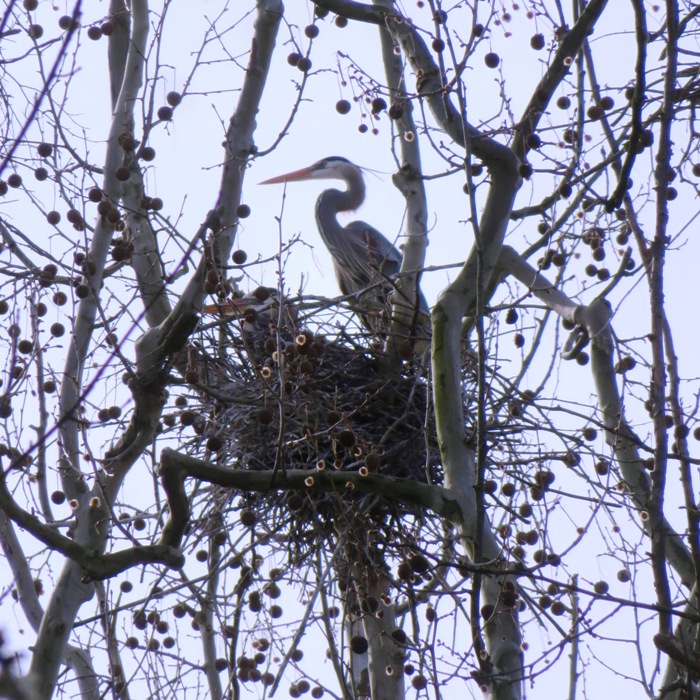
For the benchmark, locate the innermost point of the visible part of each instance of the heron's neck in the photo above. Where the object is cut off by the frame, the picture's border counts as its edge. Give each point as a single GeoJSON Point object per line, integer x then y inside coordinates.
{"type": "Point", "coordinates": [333, 201]}
{"type": "Point", "coordinates": [347, 200]}
{"type": "Point", "coordinates": [328, 205]}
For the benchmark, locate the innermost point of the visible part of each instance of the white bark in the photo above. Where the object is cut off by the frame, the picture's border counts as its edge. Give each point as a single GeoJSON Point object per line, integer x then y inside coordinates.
{"type": "Point", "coordinates": [70, 591]}
{"type": "Point", "coordinates": [91, 531]}
{"type": "Point", "coordinates": [406, 313]}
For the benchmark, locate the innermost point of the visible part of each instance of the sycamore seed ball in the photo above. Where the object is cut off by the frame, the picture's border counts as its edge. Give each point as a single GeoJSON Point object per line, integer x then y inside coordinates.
{"type": "Point", "coordinates": [492, 60]}
{"type": "Point", "coordinates": [537, 42]}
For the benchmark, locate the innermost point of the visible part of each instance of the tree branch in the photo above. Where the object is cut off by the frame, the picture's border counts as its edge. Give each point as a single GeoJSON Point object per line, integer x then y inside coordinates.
{"type": "Point", "coordinates": [595, 318]}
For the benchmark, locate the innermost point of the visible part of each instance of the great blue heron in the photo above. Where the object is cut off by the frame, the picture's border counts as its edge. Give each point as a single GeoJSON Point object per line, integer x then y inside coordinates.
{"type": "Point", "coordinates": [366, 263]}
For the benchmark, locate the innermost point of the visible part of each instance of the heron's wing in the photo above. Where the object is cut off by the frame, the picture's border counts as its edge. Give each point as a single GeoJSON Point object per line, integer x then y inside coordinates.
{"type": "Point", "coordinates": [367, 266]}
{"type": "Point", "coordinates": [370, 257]}
{"type": "Point", "coordinates": [385, 260]}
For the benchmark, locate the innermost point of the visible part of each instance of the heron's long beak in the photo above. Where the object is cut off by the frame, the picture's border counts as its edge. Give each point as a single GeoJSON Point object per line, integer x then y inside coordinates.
{"type": "Point", "coordinates": [303, 174]}
{"type": "Point", "coordinates": [230, 307]}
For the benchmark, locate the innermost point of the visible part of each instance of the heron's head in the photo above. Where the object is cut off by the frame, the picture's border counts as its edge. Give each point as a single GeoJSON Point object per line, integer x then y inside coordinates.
{"type": "Point", "coordinates": [330, 168]}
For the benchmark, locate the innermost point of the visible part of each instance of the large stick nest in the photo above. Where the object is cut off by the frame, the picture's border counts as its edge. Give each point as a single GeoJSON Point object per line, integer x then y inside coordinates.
{"type": "Point", "coordinates": [285, 395]}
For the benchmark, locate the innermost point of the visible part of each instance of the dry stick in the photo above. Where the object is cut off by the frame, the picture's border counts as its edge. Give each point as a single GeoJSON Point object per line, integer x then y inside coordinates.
{"type": "Point", "coordinates": [359, 663]}
{"type": "Point", "coordinates": [158, 344]}
{"type": "Point", "coordinates": [685, 637]}
{"type": "Point", "coordinates": [41, 431]}
{"type": "Point", "coordinates": [206, 630]}
{"type": "Point", "coordinates": [638, 99]}
{"type": "Point", "coordinates": [239, 148]}
{"type": "Point", "coordinates": [681, 650]}
{"type": "Point", "coordinates": [298, 634]}
{"type": "Point", "coordinates": [243, 584]}
{"type": "Point", "coordinates": [116, 667]}
{"type": "Point", "coordinates": [480, 457]}
{"type": "Point", "coordinates": [118, 46]}
{"type": "Point", "coordinates": [691, 507]}
{"type": "Point", "coordinates": [686, 631]}
{"type": "Point", "coordinates": [330, 637]}
{"type": "Point", "coordinates": [574, 634]}
{"type": "Point", "coordinates": [145, 259]}
{"type": "Point", "coordinates": [383, 653]}
{"type": "Point", "coordinates": [656, 338]}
